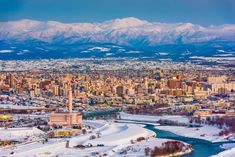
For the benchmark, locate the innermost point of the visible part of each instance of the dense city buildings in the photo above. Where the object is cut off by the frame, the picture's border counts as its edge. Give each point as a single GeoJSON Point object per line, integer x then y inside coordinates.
{"type": "Point", "coordinates": [148, 89]}
{"type": "Point", "coordinates": [124, 78]}
{"type": "Point", "coordinates": [90, 104]}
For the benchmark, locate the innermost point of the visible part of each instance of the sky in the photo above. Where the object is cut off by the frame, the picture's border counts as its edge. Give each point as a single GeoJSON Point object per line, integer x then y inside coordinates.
{"type": "Point", "coordinates": [203, 12]}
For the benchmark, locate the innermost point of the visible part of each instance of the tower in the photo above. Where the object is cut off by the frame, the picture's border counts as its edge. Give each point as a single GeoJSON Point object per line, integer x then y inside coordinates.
{"type": "Point", "coordinates": [68, 118]}
{"type": "Point", "coordinates": [12, 81]}
{"type": "Point", "coordinates": [70, 101]}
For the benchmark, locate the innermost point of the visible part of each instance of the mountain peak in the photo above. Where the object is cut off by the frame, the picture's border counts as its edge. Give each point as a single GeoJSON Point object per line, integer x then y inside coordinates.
{"type": "Point", "coordinates": [126, 22]}
{"type": "Point", "coordinates": [187, 26]}
{"type": "Point", "coordinates": [131, 20]}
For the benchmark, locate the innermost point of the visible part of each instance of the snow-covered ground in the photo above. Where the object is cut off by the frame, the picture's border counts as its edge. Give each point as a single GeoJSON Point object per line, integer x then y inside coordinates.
{"type": "Point", "coordinates": [111, 135]}
{"type": "Point", "coordinates": [136, 122]}
{"type": "Point", "coordinates": [138, 149]}
{"type": "Point", "coordinates": [121, 133]}
{"type": "Point", "coordinates": [12, 106]}
{"type": "Point", "coordinates": [229, 152]}
{"type": "Point", "coordinates": [226, 153]}
{"type": "Point", "coordinates": [228, 145]}
{"type": "Point", "coordinates": [6, 51]}
{"type": "Point", "coordinates": [115, 137]}
{"type": "Point", "coordinates": [209, 133]}
{"type": "Point", "coordinates": [153, 119]}
{"type": "Point", "coordinates": [36, 148]}
{"type": "Point", "coordinates": [19, 134]}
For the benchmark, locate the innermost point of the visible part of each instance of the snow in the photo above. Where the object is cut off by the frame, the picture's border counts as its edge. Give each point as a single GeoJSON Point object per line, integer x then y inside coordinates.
{"type": "Point", "coordinates": [226, 153]}
{"type": "Point", "coordinates": [124, 23]}
{"type": "Point", "coordinates": [21, 149]}
{"type": "Point", "coordinates": [223, 55]}
{"type": "Point", "coordinates": [43, 150]}
{"type": "Point", "coordinates": [154, 119]}
{"type": "Point", "coordinates": [109, 54]}
{"type": "Point", "coordinates": [95, 124]}
{"type": "Point", "coordinates": [136, 122]}
{"type": "Point", "coordinates": [123, 135]}
{"type": "Point", "coordinates": [112, 135]}
{"type": "Point", "coordinates": [116, 137]}
{"type": "Point", "coordinates": [102, 49]}
{"type": "Point", "coordinates": [120, 31]}
{"type": "Point", "coordinates": [12, 106]}
{"type": "Point", "coordinates": [221, 51]}
{"type": "Point", "coordinates": [19, 134]}
{"type": "Point", "coordinates": [133, 52]}
{"type": "Point", "coordinates": [118, 132]}
{"type": "Point", "coordinates": [214, 58]}
{"type": "Point", "coordinates": [209, 133]}
{"type": "Point", "coordinates": [163, 53]}
{"type": "Point", "coordinates": [6, 51]}
{"type": "Point", "coordinates": [227, 145]}
{"type": "Point", "coordinates": [138, 149]}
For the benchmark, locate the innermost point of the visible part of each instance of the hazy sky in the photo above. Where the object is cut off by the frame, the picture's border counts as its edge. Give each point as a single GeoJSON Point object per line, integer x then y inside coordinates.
{"type": "Point", "coordinates": [204, 12]}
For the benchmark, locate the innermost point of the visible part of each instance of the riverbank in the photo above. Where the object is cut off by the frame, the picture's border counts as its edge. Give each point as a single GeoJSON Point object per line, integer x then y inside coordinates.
{"type": "Point", "coordinates": [226, 153]}
{"type": "Point", "coordinates": [205, 132]}
{"type": "Point", "coordinates": [147, 147]}
{"type": "Point", "coordinates": [229, 152]}
{"type": "Point", "coordinates": [201, 148]}
{"type": "Point", "coordinates": [205, 140]}
{"type": "Point", "coordinates": [137, 122]}
{"type": "Point", "coordinates": [153, 119]}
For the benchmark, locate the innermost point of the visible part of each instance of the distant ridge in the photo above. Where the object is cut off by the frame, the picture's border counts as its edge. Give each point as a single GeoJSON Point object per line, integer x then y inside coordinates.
{"type": "Point", "coordinates": [127, 32]}
{"type": "Point", "coordinates": [127, 37]}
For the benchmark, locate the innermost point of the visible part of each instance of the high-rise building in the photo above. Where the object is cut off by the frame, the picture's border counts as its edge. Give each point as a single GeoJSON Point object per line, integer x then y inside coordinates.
{"type": "Point", "coordinates": [217, 79]}
{"type": "Point", "coordinates": [119, 91]}
{"type": "Point", "coordinates": [55, 90]}
{"type": "Point", "coordinates": [174, 83]}
{"type": "Point", "coordinates": [12, 81]}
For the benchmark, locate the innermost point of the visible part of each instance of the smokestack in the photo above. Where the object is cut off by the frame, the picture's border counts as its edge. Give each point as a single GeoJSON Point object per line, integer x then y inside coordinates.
{"type": "Point", "coordinates": [70, 103]}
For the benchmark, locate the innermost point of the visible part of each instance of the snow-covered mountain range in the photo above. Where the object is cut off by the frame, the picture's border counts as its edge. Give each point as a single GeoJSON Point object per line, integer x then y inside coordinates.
{"type": "Point", "coordinates": [128, 37]}
{"type": "Point", "coordinates": [127, 32]}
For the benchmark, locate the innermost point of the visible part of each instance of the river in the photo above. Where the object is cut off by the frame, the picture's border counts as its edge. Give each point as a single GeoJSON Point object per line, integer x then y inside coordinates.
{"type": "Point", "coordinates": [202, 148]}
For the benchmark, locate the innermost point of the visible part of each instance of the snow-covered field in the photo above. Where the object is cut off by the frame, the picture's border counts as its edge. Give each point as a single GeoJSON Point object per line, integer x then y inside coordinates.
{"type": "Point", "coordinates": [138, 149]}
{"type": "Point", "coordinates": [226, 153]}
{"type": "Point", "coordinates": [114, 138]}
{"type": "Point", "coordinates": [37, 149]}
{"type": "Point", "coordinates": [229, 152]}
{"type": "Point", "coordinates": [228, 145]}
{"type": "Point", "coordinates": [19, 134]}
{"type": "Point", "coordinates": [137, 122]}
{"type": "Point", "coordinates": [153, 119]}
{"type": "Point", "coordinates": [12, 106]}
{"type": "Point", "coordinates": [209, 133]}
{"type": "Point", "coordinates": [113, 134]}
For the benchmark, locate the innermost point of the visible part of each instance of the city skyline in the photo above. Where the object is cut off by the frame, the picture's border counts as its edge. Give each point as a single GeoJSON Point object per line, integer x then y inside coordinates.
{"type": "Point", "coordinates": [115, 78]}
